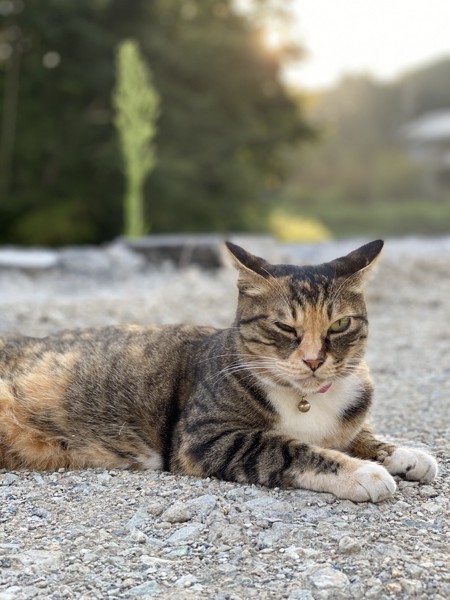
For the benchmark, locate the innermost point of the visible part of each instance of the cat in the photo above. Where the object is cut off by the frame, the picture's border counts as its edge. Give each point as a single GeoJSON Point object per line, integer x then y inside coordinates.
{"type": "Point", "coordinates": [280, 398]}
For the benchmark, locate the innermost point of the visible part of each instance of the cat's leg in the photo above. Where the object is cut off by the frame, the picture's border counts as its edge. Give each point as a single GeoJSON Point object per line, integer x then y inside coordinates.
{"type": "Point", "coordinates": [264, 458]}
{"type": "Point", "coordinates": [410, 463]}
{"type": "Point", "coordinates": [343, 476]}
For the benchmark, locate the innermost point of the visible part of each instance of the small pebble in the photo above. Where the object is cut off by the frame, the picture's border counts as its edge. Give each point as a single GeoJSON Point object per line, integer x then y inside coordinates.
{"type": "Point", "coordinates": [138, 536]}
{"type": "Point", "coordinates": [349, 545]}
{"type": "Point", "coordinates": [177, 514]}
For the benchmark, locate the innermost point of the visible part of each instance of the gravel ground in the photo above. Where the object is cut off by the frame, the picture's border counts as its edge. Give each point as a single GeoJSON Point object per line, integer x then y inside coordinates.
{"type": "Point", "coordinates": [114, 534]}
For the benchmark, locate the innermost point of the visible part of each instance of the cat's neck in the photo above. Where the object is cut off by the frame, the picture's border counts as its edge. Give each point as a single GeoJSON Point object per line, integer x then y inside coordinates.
{"type": "Point", "coordinates": [323, 420]}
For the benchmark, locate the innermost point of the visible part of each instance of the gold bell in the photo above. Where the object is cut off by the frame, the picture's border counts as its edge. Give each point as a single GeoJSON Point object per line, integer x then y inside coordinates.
{"type": "Point", "coordinates": [303, 405]}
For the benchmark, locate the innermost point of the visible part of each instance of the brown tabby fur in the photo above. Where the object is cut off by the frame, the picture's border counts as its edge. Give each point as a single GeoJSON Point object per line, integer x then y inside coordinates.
{"type": "Point", "coordinates": [207, 402]}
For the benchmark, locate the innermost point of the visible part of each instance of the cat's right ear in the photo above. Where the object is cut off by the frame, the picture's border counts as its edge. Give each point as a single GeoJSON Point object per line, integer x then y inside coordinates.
{"type": "Point", "coordinates": [356, 266]}
{"type": "Point", "coordinates": [253, 271]}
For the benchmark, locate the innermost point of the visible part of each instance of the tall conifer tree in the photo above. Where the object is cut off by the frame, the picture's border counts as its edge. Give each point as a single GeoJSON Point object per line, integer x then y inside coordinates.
{"type": "Point", "coordinates": [137, 105]}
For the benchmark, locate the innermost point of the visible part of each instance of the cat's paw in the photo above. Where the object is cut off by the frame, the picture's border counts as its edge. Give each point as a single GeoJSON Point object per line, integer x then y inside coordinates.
{"type": "Point", "coordinates": [371, 482]}
{"type": "Point", "coordinates": [412, 464]}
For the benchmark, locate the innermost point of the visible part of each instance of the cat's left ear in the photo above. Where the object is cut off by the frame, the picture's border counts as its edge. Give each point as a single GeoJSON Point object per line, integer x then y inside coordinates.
{"type": "Point", "coordinates": [356, 266]}
{"type": "Point", "coordinates": [253, 271]}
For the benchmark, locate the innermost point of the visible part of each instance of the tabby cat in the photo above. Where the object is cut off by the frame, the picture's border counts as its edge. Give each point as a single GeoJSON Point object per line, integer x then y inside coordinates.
{"type": "Point", "coordinates": [279, 399]}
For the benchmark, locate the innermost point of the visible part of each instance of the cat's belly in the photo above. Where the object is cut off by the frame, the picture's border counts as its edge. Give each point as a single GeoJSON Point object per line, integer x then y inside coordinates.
{"type": "Point", "coordinates": [35, 434]}
{"type": "Point", "coordinates": [324, 423]}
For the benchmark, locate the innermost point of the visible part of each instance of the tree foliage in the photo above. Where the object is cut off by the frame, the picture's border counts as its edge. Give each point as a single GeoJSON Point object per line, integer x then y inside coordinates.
{"type": "Point", "coordinates": [136, 103]}
{"type": "Point", "coordinates": [226, 120]}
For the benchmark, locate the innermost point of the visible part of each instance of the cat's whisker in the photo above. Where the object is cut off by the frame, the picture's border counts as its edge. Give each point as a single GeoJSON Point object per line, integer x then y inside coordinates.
{"type": "Point", "coordinates": [238, 354]}
{"type": "Point", "coordinates": [248, 375]}
{"type": "Point", "coordinates": [259, 366]}
{"type": "Point", "coordinates": [246, 366]}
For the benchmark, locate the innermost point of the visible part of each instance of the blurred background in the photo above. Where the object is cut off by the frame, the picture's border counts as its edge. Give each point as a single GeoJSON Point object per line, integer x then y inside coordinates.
{"type": "Point", "coordinates": [307, 120]}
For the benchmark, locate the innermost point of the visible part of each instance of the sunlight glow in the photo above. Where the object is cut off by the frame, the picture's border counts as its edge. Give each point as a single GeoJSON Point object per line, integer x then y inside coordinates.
{"type": "Point", "coordinates": [273, 38]}
{"type": "Point", "coordinates": [382, 38]}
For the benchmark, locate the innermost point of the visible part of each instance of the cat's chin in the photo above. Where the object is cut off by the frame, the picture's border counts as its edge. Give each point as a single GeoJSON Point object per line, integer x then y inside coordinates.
{"type": "Point", "coordinates": [311, 386]}
{"type": "Point", "coordinates": [308, 386]}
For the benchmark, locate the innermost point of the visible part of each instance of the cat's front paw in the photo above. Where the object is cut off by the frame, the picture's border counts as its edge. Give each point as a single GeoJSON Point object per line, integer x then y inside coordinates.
{"type": "Point", "coordinates": [412, 464]}
{"type": "Point", "coordinates": [371, 482]}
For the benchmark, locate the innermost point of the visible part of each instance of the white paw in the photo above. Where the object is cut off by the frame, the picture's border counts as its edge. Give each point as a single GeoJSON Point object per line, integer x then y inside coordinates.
{"type": "Point", "coordinates": [412, 464]}
{"type": "Point", "coordinates": [370, 482]}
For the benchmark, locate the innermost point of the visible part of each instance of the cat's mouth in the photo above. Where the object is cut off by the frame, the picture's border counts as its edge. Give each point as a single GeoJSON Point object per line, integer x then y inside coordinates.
{"type": "Point", "coordinates": [313, 385]}
{"type": "Point", "coordinates": [307, 386]}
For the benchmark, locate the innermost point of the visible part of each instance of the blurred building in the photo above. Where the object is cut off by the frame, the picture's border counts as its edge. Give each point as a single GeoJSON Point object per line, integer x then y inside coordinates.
{"type": "Point", "coordinates": [428, 142]}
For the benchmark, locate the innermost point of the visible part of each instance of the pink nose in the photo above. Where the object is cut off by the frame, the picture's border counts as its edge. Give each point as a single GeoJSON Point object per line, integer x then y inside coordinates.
{"type": "Point", "coordinates": [313, 363]}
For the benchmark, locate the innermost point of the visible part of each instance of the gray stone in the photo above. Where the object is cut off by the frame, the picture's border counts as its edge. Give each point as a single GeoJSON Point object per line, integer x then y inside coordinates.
{"type": "Point", "coordinates": [35, 259]}
{"type": "Point", "coordinates": [415, 571]}
{"type": "Point", "coordinates": [187, 534]}
{"type": "Point", "coordinates": [180, 551]}
{"type": "Point", "coordinates": [186, 581]}
{"type": "Point", "coordinates": [40, 512]}
{"type": "Point", "coordinates": [202, 506]}
{"type": "Point", "coordinates": [39, 558]}
{"type": "Point", "coordinates": [374, 588]}
{"type": "Point", "coordinates": [124, 259]}
{"type": "Point", "coordinates": [138, 536]}
{"type": "Point", "coordinates": [272, 535]}
{"type": "Point", "coordinates": [88, 556]}
{"type": "Point", "coordinates": [300, 594]}
{"type": "Point", "coordinates": [138, 519]}
{"type": "Point", "coordinates": [326, 578]}
{"type": "Point", "coordinates": [390, 550]}
{"type": "Point", "coordinates": [182, 250]}
{"type": "Point", "coordinates": [104, 478]}
{"type": "Point", "coordinates": [11, 593]}
{"type": "Point", "coordinates": [432, 507]}
{"type": "Point", "coordinates": [427, 491]}
{"type": "Point", "coordinates": [223, 533]}
{"type": "Point", "coordinates": [10, 478]}
{"type": "Point", "coordinates": [85, 260]}
{"type": "Point", "coordinates": [349, 545]}
{"type": "Point", "coordinates": [177, 513]}
{"type": "Point", "coordinates": [266, 507]}
{"type": "Point", "coordinates": [412, 587]}
{"type": "Point", "coordinates": [149, 588]}
{"type": "Point", "coordinates": [154, 508]}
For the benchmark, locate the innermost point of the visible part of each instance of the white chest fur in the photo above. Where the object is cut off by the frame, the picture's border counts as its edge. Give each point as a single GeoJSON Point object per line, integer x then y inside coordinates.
{"type": "Point", "coordinates": [323, 419]}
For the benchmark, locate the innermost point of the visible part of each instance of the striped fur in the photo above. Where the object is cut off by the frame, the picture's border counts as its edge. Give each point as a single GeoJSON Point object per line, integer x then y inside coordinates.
{"type": "Point", "coordinates": [207, 402]}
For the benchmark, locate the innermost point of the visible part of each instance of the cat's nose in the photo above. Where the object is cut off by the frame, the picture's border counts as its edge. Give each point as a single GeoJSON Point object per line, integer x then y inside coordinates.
{"type": "Point", "coordinates": [313, 363]}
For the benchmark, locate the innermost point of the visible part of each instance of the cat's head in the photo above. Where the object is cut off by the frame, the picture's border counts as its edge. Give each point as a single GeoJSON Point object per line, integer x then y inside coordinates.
{"type": "Point", "coordinates": [303, 327]}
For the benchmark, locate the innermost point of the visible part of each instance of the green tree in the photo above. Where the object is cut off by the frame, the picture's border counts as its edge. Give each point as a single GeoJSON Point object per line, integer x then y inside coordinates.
{"type": "Point", "coordinates": [137, 106]}
{"type": "Point", "coordinates": [227, 125]}
{"type": "Point", "coordinates": [65, 181]}
{"type": "Point", "coordinates": [227, 118]}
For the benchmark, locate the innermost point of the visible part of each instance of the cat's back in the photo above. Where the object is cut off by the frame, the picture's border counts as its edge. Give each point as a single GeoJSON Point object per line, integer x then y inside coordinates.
{"type": "Point", "coordinates": [130, 345]}
{"type": "Point", "coordinates": [94, 396]}
{"type": "Point", "coordinates": [117, 367]}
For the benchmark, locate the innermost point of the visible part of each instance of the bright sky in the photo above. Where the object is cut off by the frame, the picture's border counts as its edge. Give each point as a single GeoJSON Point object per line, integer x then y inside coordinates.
{"type": "Point", "coordinates": [382, 37]}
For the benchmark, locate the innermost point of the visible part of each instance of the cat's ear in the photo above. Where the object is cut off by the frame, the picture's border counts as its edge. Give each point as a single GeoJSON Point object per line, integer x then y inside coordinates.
{"type": "Point", "coordinates": [253, 271]}
{"type": "Point", "coordinates": [356, 266]}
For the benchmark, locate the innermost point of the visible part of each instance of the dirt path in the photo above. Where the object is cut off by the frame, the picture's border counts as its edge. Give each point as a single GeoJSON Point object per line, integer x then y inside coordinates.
{"type": "Point", "coordinates": [111, 534]}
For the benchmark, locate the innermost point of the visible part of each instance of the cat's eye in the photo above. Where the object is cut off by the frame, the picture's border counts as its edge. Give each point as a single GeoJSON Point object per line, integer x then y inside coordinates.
{"type": "Point", "coordinates": [286, 328]}
{"type": "Point", "coordinates": [340, 325]}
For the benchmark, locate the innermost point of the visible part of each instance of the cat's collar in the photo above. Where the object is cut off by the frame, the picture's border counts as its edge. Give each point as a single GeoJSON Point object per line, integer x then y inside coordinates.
{"type": "Point", "coordinates": [304, 405]}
